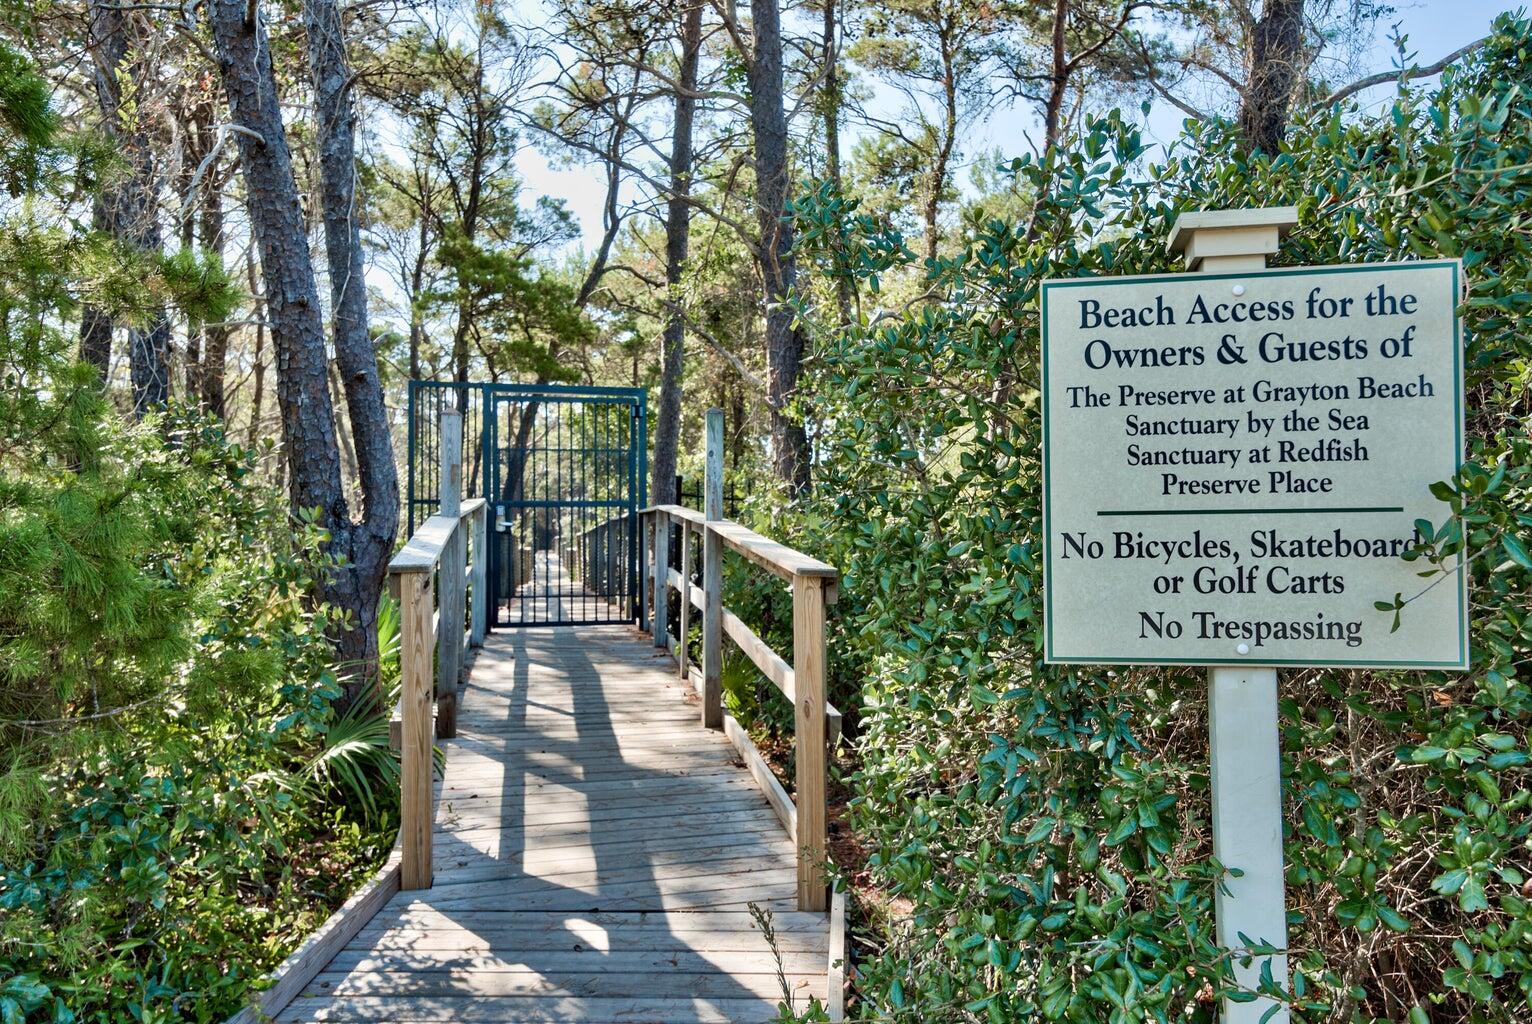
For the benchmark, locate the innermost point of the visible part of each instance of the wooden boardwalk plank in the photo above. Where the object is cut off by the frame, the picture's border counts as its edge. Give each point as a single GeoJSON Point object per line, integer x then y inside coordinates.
{"type": "Point", "coordinates": [596, 856]}
{"type": "Point", "coordinates": [577, 961]}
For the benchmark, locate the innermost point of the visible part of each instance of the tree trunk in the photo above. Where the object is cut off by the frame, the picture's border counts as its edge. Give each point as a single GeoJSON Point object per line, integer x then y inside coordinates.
{"type": "Point", "coordinates": [258, 361]}
{"type": "Point", "coordinates": [371, 540]}
{"type": "Point", "coordinates": [784, 343]}
{"type": "Point", "coordinates": [944, 153]}
{"type": "Point", "coordinates": [95, 323]}
{"type": "Point", "coordinates": [667, 428]}
{"type": "Point", "coordinates": [132, 206]}
{"type": "Point", "coordinates": [1274, 64]}
{"type": "Point", "coordinates": [831, 113]}
{"type": "Point", "coordinates": [215, 337]}
{"type": "Point", "coordinates": [1058, 80]}
{"type": "Point", "coordinates": [1053, 122]}
{"type": "Point", "coordinates": [297, 331]}
{"type": "Point", "coordinates": [276, 221]}
{"type": "Point", "coordinates": [198, 141]}
{"type": "Point", "coordinates": [349, 472]}
{"type": "Point", "coordinates": [149, 361]}
{"type": "Point", "coordinates": [478, 160]}
{"type": "Point", "coordinates": [417, 286]}
{"type": "Point", "coordinates": [193, 385]}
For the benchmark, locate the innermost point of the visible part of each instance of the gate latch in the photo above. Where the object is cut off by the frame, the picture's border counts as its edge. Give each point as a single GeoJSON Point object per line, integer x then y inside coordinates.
{"type": "Point", "coordinates": [501, 526]}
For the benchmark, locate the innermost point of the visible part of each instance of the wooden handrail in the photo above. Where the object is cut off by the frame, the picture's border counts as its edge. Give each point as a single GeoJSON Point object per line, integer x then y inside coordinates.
{"type": "Point", "coordinates": [424, 548]}
{"type": "Point", "coordinates": [775, 558]}
{"type": "Point", "coordinates": [759, 651]}
{"type": "Point", "coordinates": [439, 550]}
{"type": "Point", "coordinates": [803, 682]}
{"type": "Point", "coordinates": [605, 524]}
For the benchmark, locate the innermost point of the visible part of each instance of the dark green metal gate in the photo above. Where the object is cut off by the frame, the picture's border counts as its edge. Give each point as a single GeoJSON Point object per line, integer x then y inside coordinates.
{"type": "Point", "coordinates": [564, 468]}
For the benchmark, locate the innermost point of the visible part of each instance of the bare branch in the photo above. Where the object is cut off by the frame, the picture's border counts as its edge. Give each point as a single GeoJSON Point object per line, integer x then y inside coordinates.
{"type": "Point", "coordinates": [1159, 87]}
{"type": "Point", "coordinates": [1405, 75]}
{"type": "Point", "coordinates": [189, 203]}
{"type": "Point", "coordinates": [745, 373]}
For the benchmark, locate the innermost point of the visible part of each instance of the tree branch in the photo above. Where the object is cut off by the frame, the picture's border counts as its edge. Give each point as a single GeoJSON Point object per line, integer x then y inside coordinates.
{"type": "Point", "coordinates": [1404, 75]}
{"type": "Point", "coordinates": [1154, 81]}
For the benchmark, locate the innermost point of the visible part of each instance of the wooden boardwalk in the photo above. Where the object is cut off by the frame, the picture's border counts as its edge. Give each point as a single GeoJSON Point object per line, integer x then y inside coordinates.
{"type": "Point", "coordinates": [596, 854]}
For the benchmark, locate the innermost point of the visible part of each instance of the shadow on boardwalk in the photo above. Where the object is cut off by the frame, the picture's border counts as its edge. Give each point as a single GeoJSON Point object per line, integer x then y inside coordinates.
{"type": "Point", "coordinates": [596, 853]}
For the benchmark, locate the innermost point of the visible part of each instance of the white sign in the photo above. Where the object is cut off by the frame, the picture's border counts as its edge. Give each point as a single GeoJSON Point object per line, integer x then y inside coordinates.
{"type": "Point", "coordinates": [1234, 464]}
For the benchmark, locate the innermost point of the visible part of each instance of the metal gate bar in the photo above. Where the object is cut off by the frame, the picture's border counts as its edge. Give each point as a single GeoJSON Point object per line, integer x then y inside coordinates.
{"type": "Point", "coordinates": [566, 486]}
{"type": "Point", "coordinates": [426, 400]}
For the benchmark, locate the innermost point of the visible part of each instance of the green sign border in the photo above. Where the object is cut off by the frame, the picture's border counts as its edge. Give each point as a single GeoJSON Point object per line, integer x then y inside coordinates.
{"type": "Point", "coordinates": [1049, 657]}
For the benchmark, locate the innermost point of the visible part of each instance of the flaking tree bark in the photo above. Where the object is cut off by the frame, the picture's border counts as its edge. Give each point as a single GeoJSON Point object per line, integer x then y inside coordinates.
{"type": "Point", "coordinates": [784, 342]}
{"type": "Point", "coordinates": [337, 168]}
{"type": "Point", "coordinates": [667, 428]}
{"type": "Point", "coordinates": [1274, 64]}
{"type": "Point", "coordinates": [241, 44]}
{"type": "Point", "coordinates": [371, 539]}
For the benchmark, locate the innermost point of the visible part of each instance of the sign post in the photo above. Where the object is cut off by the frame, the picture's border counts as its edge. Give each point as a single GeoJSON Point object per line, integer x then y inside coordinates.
{"type": "Point", "coordinates": [1234, 462]}
{"type": "Point", "coordinates": [1244, 745]}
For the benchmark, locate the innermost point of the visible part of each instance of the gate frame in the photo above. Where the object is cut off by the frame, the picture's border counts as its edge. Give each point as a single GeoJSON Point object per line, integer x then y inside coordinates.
{"type": "Point", "coordinates": [490, 394]}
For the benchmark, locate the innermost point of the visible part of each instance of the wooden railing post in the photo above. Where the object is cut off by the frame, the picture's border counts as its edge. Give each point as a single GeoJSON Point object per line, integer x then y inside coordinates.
{"type": "Point", "coordinates": [804, 682]}
{"type": "Point", "coordinates": [449, 634]}
{"type": "Point", "coordinates": [661, 577]}
{"type": "Point", "coordinates": [415, 728]}
{"type": "Point", "coordinates": [809, 727]}
{"type": "Point", "coordinates": [712, 577]}
{"type": "Point", "coordinates": [480, 627]}
{"type": "Point", "coordinates": [686, 597]}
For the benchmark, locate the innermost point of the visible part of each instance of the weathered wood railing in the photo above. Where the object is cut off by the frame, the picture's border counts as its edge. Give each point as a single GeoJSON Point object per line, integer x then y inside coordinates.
{"type": "Point", "coordinates": [600, 556]}
{"type": "Point", "coordinates": [816, 723]}
{"type": "Point", "coordinates": [448, 551]}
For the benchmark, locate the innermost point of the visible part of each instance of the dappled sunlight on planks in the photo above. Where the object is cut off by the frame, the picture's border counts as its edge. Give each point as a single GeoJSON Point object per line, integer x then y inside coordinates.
{"type": "Point", "coordinates": [596, 854]}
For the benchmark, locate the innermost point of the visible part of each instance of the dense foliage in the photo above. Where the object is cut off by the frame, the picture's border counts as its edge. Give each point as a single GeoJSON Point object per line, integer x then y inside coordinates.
{"type": "Point", "coordinates": [169, 795]}
{"type": "Point", "coordinates": [179, 805]}
{"type": "Point", "coordinates": [1038, 836]}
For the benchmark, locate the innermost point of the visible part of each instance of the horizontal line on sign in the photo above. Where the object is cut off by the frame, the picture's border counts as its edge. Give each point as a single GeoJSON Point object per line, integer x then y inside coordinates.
{"type": "Point", "coordinates": [1241, 511]}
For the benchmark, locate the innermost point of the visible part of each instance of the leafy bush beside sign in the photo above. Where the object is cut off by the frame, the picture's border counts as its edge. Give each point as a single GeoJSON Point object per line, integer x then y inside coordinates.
{"type": "Point", "coordinates": [1040, 834]}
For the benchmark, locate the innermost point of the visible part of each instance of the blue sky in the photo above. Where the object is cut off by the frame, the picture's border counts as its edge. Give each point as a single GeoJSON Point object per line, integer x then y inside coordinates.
{"type": "Point", "coordinates": [1435, 28]}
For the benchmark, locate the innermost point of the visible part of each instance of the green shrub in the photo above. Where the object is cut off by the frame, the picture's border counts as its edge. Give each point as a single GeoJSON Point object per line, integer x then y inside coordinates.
{"type": "Point", "coordinates": [179, 805]}
{"type": "Point", "coordinates": [1040, 832]}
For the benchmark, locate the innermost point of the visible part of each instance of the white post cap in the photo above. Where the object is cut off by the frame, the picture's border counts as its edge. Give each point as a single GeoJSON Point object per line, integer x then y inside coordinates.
{"type": "Point", "coordinates": [1230, 235]}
